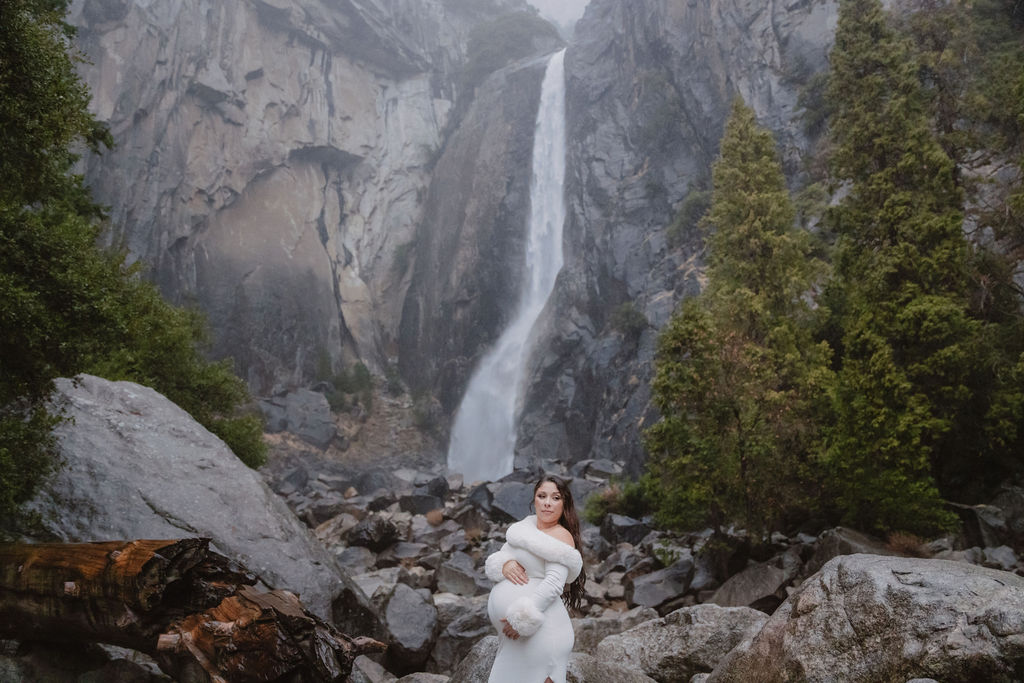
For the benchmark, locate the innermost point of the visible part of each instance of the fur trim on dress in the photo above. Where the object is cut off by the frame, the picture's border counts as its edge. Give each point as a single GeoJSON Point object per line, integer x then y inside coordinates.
{"type": "Point", "coordinates": [525, 534]}
{"type": "Point", "coordinates": [524, 616]}
{"type": "Point", "coordinates": [495, 562]}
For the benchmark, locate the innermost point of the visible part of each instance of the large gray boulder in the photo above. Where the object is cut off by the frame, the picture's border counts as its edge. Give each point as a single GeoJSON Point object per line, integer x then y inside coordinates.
{"type": "Point", "coordinates": [411, 620]}
{"type": "Point", "coordinates": [138, 466]}
{"type": "Point", "coordinates": [586, 669]}
{"type": "Point", "coordinates": [686, 642]}
{"type": "Point", "coordinates": [890, 619]}
{"type": "Point", "coordinates": [592, 630]}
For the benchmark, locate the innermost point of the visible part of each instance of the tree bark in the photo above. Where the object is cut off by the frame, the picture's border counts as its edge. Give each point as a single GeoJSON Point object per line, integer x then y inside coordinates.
{"type": "Point", "coordinates": [193, 610]}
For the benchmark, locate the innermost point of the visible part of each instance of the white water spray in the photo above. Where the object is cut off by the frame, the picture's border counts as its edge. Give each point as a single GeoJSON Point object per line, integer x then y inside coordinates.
{"type": "Point", "coordinates": [484, 434]}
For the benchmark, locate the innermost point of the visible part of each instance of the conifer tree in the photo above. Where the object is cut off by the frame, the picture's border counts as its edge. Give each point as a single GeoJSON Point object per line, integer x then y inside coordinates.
{"type": "Point", "coordinates": [909, 378]}
{"type": "Point", "coordinates": [737, 368]}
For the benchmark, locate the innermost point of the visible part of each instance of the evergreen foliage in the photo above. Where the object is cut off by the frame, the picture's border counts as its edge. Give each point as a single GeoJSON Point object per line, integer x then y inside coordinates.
{"type": "Point", "coordinates": [913, 380]}
{"type": "Point", "coordinates": [737, 367]}
{"type": "Point", "coordinates": [65, 306]}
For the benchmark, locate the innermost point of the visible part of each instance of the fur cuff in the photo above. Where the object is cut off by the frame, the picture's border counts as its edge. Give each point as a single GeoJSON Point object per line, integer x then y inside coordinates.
{"type": "Point", "coordinates": [524, 616]}
{"type": "Point", "coordinates": [494, 564]}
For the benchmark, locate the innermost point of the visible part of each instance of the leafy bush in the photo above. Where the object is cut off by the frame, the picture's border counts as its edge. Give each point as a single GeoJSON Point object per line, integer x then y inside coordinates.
{"type": "Point", "coordinates": [627, 498]}
{"type": "Point", "coordinates": [629, 320]}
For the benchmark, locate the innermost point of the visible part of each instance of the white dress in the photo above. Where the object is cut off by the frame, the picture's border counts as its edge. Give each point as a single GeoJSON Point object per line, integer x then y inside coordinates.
{"type": "Point", "coordinates": [535, 609]}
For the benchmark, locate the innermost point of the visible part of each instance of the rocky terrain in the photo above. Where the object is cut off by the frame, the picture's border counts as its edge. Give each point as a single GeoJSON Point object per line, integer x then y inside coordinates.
{"type": "Point", "coordinates": [397, 553]}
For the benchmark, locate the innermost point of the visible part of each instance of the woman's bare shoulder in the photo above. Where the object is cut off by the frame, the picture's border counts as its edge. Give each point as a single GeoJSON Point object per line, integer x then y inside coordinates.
{"type": "Point", "coordinates": [562, 534]}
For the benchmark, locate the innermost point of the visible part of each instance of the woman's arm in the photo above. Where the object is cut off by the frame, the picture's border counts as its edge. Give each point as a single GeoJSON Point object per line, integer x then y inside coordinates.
{"type": "Point", "coordinates": [526, 614]}
{"type": "Point", "coordinates": [495, 561]}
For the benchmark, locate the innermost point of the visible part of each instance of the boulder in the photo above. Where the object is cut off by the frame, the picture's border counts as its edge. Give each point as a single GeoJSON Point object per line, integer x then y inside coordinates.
{"type": "Point", "coordinates": [592, 630]}
{"type": "Point", "coordinates": [375, 532]}
{"type": "Point", "coordinates": [476, 666]}
{"type": "Point", "coordinates": [138, 466]}
{"type": "Point", "coordinates": [458, 575]}
{"type": "Point", "coordinates": [365, 670]}
{"type": "Point", "coordinates": [411, 619]}
{"type": "Point", "coordinates": [661, 586]}
{"type": "Point", "coordinates": [686, 642]}
{"type": "Point", "coordinates": [890, 618]}
{"type": "Point", "coordinates": [461, 633]}
{"type": "Point", "coordinates": [842, 541]}
{"type": "Point", "coordinates": [302, 412]}
{"type": "Point", "coordinates": [511, 500]}
{"type": "Point", "coordinates": [758, 586]}
{"type": "Point", "coordinates": [423, 677]}
{"type": "Point", "coordinates": [623, 529]}
{"type": "Point", "coordinates": [420, 503]}
{"type": "Point", "coordinates": [586, 669]}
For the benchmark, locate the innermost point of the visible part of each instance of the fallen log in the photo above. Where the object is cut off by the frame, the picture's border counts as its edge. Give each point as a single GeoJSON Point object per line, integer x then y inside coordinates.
{"type": "Point", "coordinates": [195, 611]}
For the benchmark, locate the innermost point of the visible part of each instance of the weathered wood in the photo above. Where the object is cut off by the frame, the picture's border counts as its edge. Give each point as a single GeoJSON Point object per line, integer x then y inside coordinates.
{"type": "Point", "coordinates": [191, 608]}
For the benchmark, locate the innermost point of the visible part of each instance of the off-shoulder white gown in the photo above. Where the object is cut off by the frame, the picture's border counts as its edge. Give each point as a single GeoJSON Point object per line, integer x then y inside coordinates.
{"type": "Point", "coordinates": [535, 609]}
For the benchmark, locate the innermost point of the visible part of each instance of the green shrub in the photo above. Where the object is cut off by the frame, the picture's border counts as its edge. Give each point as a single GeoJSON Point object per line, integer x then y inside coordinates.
{"type": "Point", "coordinates": [620, 498]}
{"type": "Point", "coordinates": [629, 320]}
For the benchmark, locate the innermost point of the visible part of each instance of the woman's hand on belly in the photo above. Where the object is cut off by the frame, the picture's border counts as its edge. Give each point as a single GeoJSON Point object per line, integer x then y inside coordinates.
{"type": "Point", "coordinates": [508, 630]}
{"type": "Point", "coordinates": [514, 572]}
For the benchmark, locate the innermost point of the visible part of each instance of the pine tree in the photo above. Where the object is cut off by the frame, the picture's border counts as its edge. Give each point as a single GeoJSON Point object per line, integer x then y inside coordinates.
{"type": "Point", "coordinates": [909, 378]}
{"type": "Point", "coordinates": [66, 306]}
{"type": "Point", "coordinates": [737, 368]}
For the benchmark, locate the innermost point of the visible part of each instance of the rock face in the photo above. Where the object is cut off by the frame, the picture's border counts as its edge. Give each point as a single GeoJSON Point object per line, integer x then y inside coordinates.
{"type": "Point", "coordinates": [649, 86]}
{"type": "Point", "coordinates": [471, 244]}
{"type": "Point", "coordinates": [684, 643]}
{"type": "Point", "coordinates": [272, 160]}
{"type": "Point", "coordinates": [322, 181]}
{"type": "Point", "coordinates": [138, 466]}
{"type": "Point", "coordinates": [890, 619]}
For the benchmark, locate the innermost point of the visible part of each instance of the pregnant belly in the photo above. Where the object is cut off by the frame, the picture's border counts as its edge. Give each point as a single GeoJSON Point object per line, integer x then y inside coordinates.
{"type": "Point", "coordinates": [504, 594]}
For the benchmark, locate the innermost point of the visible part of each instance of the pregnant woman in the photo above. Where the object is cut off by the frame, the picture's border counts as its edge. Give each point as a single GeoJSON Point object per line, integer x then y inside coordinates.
{"type": "Point", "coordinates": [539, 558]}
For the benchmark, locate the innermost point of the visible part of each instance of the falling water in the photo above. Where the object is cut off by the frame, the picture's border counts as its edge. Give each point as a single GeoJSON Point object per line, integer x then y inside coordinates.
{"type": "Point", "coordinates": [484, 434]}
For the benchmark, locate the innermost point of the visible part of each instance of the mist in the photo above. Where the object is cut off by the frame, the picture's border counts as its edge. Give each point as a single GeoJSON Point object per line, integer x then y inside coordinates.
{"type": "Point", "coordinates": [562, 12]}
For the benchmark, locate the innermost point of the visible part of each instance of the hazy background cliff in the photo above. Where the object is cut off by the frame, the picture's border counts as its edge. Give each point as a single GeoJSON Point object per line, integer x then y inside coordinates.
{"type": "Point", "coordinates": [342, 182]}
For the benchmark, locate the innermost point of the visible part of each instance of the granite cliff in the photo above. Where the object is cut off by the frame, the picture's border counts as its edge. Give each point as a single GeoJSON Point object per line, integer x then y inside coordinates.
{"type": "Point", "coordinates": [323, 180]}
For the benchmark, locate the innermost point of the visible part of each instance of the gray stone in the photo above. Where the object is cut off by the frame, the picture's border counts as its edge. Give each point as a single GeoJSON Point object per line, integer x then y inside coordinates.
{"type": "Point", "coordinates": [375, 532]}
{"type": "Point", "coordinates": [592, 630]}
{"type": "Point", "coordinates": [511, 500]}
{"type": "Point", "coordinates": [182, 481]}
{"type": "Point", "coordinates": [365, 670]}
{"type": "Point", "coordinates": [420, 503]}
{"type": "Point", "coordinates": [623, 529]}
{"type": "Point", "coordinates": [458, 636]}
{"type": "Point", "coordinates": [411, 620]}
{"type": "Point", "coordinates": [842, 541]}
{"type": "Point", "coordinates": [661, 586]}
{"type": "Point", "coordinates": [458, 575]}
{"type": "Point", "coordinates": [586, 669]}
{"type": "Point", "coordinates": [688, 641]}
{"type": "Point", "coordinates": [476, 666]}
{"type": "Point", "coordinates": [357, 559]}
{"type": "Point", "coordinates": [309, 417]}
{"type": "Point", "coordinates": [890, 618]}
{"type": "Point", "coordinates": [423, 677]}
{"type": "Point", "coordinates": [1002, 557]}
{"type": "Point", "coordinates": [756, 586]}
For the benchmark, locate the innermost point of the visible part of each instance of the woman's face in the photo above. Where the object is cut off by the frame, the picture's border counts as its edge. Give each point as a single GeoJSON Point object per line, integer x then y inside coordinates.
{"type": "Point", "coordinates": [547, 501]}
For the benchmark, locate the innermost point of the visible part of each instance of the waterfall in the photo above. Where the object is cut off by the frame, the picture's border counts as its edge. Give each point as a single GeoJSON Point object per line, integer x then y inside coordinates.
{"type": "Point", "coordinates": [484, 434]}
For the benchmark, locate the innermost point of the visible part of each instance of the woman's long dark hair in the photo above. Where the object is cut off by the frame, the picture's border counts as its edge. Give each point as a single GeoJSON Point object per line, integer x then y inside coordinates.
{"type": "Point", "coordinates": [573, 595]}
